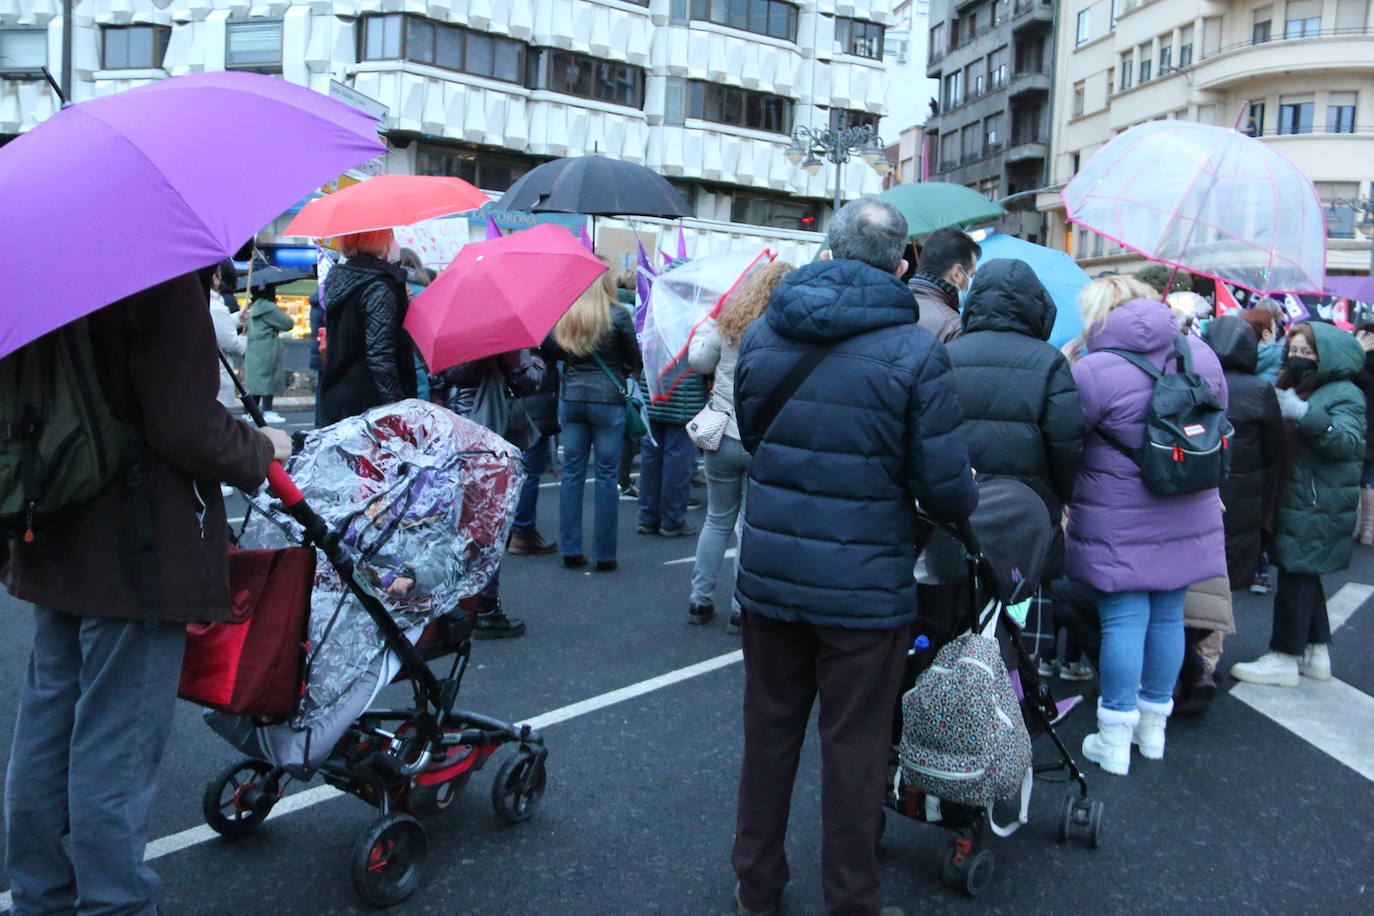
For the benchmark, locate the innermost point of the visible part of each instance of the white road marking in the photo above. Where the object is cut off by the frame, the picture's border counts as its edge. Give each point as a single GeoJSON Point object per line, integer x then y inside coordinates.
{"type": "Point", "coordinates": [692, 559]}
{"type": "Point", "coordinates": [194, 836]}
{"type": "Point", "coordinates": [1331, 715]}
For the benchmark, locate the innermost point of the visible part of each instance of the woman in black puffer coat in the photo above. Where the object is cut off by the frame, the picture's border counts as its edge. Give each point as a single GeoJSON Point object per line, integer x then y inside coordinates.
{"type": "Point", "coordinates": [1250, 492]}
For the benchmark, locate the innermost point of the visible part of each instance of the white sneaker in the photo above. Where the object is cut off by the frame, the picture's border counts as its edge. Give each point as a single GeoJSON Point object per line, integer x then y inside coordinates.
{"type": "Point", "coordinates": [1149, 732]}
{"type": "Point", "coordinates": [1315, 662]}
{"type": "Point", "coordinates": [271, 416]}
{"type": "Point", "coordinates": [1048, 668]}
{"type": "Point", "coordinates": [1076, 671]}
{"type": "Point", "coordinates": [1110, 746]}
{"type": "Point", "coordinates": [1274, 669]}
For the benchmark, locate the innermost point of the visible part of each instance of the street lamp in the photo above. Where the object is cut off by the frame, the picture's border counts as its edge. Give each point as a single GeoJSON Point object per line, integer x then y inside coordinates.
{"type": "Point", "coordinates": [812, 148]}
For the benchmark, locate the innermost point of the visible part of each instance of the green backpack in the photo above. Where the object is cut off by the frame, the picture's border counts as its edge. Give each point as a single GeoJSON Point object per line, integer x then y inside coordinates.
{"type": "Point", "coordinates": [59, 443]}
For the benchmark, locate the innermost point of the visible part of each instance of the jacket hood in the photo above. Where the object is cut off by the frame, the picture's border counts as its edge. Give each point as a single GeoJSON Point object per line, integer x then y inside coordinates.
{"type": "Point", "coordinates": [1007, 296]}
{"type": "Point", "coordinates": [1140, 326]}
{"type": "Point", "coordinates": [346, 278]}
{"type": "Point", "coordinates": [1234, 343]}
{"type": "Point", "coordinates": [834, 300]}
{"type": "Point", "coordinates": [1339, 355]}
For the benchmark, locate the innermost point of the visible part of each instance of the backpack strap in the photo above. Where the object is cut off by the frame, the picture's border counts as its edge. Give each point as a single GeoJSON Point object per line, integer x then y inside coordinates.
{"type": "Point", "coordinates": [1144, 365]}
{"type": "Point", "coordinates": [793, 380]}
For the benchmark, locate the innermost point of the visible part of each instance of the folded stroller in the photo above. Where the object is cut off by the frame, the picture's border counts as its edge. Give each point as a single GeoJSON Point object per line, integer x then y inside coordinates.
{"type": "Point", "coordinates": [968, 726]}
{"type": "Point", "coordinates": [407, 491]}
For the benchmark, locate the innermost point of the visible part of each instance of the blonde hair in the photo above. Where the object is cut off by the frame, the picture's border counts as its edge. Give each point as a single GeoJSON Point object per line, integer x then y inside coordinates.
{"type": "Point", "coordinates": [749, 301]}
{"type": "Point", "coordinates": [1100, 297]}
{"type": "Point", "coordinates": [587, 322]}
{"type": "Point", "coordinates": [376, 242]}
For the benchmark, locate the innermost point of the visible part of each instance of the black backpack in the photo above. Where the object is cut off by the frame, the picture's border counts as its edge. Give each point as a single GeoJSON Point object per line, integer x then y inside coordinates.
{"type": "Point", "coordinates": [1186, 447]}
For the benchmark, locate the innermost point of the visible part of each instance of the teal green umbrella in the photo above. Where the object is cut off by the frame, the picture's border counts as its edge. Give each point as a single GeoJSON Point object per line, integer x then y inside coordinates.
{"type": "Point", "coordinates": [931, 205]}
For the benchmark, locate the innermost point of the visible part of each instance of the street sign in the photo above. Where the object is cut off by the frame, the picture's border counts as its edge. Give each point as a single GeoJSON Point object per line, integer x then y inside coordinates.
{"type": "Point", "coordinates": [364, 103]}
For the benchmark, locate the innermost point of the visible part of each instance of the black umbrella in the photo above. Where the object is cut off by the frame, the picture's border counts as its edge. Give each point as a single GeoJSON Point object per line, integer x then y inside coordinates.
{"type": "Point", "coordinates": [270, 277]}
{"type": "Point", "coordinates": [596, 186]}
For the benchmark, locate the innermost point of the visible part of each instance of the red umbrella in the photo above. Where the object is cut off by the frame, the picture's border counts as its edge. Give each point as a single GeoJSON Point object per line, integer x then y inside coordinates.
{"type": "Point", "coordinates": [500, 295]}
{"type": "Point", "coordinates": [385, 202]}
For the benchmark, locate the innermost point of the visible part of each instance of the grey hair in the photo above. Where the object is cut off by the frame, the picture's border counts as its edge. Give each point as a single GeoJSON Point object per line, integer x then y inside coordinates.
{"type": "Point", "coordinates": [870, 230]}
{"type": "Point", "coordinates": [1271, 306]}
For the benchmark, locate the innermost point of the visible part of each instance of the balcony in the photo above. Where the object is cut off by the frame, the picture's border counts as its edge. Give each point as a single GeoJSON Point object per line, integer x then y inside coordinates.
{"type": "Point", "coordinates": [1029, 81]}
{"type": "Point", "coordinates": [1031, 13]}
{"type": "Point", "coordinates": [1327, 50]}
{"type": "Point", "coordinates": [1027, 147]}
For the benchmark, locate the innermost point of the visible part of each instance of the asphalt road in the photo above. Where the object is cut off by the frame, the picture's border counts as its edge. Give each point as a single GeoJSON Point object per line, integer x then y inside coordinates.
{"type": "Point", "coordinates": [1243, 815]}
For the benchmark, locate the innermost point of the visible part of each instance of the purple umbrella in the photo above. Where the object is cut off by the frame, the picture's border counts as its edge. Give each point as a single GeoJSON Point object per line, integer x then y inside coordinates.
{"type": "Point", "coordinates": [1361, 289]}
{"type": "Point", "coordinates": [117, 194]}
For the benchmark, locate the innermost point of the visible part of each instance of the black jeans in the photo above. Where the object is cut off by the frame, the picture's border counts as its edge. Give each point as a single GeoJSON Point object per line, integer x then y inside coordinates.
{"type": "Point", "coordinates": [1299, 613]}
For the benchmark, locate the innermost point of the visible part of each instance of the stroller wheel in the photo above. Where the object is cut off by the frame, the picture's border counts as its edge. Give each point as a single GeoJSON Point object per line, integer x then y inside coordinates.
{"type": "Point", "coordinates": [1066, 818]}
{"type": "Point", "coordinates": [1095, 824]}
{"type": "Point", "coordinates": [386, 859]}
{"type": "Point", "coordinates": [978, 872]}
{"type": "Point", "coordinates": [236, 801]}
{"type": "Point", "coordinates": [518, 787]}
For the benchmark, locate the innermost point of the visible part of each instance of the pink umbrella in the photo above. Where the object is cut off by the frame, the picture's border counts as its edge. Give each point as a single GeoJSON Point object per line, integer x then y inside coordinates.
{"type": "Point", "coordinates": [500, 295]}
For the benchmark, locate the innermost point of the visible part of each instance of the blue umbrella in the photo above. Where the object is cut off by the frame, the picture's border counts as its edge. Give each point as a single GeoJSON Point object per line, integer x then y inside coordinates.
{"type": "Point", "coordinates": [1062, 278]}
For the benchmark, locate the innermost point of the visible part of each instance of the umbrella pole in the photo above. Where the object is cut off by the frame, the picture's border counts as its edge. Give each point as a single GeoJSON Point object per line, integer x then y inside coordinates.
{"type": "Point", "coordinates": [249, 404]}
{"type": "Point", "coordinates": [1169, 284]}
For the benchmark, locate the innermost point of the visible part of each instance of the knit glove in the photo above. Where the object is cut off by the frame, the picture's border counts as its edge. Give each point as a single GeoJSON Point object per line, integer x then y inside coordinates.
{"type": "Point", "coordinates": [1291, 406]}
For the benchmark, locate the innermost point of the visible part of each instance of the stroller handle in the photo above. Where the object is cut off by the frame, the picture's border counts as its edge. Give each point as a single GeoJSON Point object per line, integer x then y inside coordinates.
{"type": "Point", "coordinates": [964, 527]}
{"type": "Point", "coordinates": [282, 486]}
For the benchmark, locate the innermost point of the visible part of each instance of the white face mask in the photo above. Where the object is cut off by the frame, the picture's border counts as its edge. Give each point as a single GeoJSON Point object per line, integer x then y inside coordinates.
{"type": "Point", "coordinates": [963, 292]}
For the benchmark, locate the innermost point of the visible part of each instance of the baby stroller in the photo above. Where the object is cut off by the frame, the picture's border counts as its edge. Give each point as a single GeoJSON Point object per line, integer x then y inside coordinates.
{"type": "Point", "coordinates": [1002, 549]}
{"type": "Point", "coordinates": [408, 489]}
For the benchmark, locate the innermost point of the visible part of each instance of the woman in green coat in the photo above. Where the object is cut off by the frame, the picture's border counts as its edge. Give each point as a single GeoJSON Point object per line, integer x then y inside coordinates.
{"type": "Point", "coordinates": [1316, 515]}
{"type": "Point", "coordinates": [263, 373]}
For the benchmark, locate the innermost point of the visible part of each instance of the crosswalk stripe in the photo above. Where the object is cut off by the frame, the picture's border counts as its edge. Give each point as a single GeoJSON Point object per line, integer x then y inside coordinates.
{"type": "Point", "coordinates": [692, 559]}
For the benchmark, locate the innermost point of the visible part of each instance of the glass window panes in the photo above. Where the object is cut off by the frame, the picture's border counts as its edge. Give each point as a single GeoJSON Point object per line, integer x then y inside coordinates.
{"type": "Point", "coordinates": [1257, 113]}
{"type": "Point", "coordinates": [479, 57]}
{"type": "Point", "coordinates": [859, 37]}
{"type": "Point", "coordinates": [777, 212]}
{"type": "Point", "coordinates": [729, 105]}
{"type": "Point", "coordinates": [382, 38]}
{"type": "Point", "coordinates": [23, 49]}
{"type": "Point", "coordinates": [420, 40]}
{"type": "Point", "coordinates": [134, 47]}
{"type": "Point", "coordinates": [842, 118]}
{"type": "Point", "coordinates": [1337, 198]}
{"type": "Point", "coordinates": [997, 68]}
{"type": "Point", "coordinates": [764, 17]}
{"type": "Point", "coordinates": [1126, 62]}
{"type": "Point", "coordinates": [448, 48]}
{"type": "Point", "coordinates": [992, 133]}
{"type": "Point", "coordinates": [1263, 19]}
{"type": "Point", "coordinates": [253, 43]}
{"type": "Point", "coordinates": [1084, 25]}
{"type": "Point", "coordinates": [1295, 116]}
{"type": "Point", "coordinates": [1351, 15]}
{"type": "Point", "coordinates": [396, 36]}
{"type": "Point", "coordinates": [1340, 112]}
{"type": "Point", "coordinates": [972, 143]}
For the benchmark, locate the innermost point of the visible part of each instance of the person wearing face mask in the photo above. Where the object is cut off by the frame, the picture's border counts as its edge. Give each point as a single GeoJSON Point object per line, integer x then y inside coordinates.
{"type": "Point", "coordinates": [943, 277]}
{"type": "Point", "coordinates": [1325, 411]}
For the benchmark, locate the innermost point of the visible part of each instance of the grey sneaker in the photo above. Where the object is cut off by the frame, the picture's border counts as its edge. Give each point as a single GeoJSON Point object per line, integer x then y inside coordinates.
{"type": "Point", "coordinates": [743, 910]}
{"type": "Point", "coordinates": [1076, 671]}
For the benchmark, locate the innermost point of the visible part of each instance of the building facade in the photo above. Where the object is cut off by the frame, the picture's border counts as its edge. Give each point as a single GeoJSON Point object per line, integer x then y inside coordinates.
{"type": "Point", "coordinates": [706, 92]}
{"type": "Point", "coordinates": [989, 126]}
{"type": "Point", "coordinates": [905, 49]}
{"type": "Point", "coordinates": [1297, 74]}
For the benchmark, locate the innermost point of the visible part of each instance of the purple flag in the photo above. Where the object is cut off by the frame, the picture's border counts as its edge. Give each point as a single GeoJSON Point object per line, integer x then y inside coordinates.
{"type": "Point", "coordinates": [667, 258]}
{"type": "Point", "coordinates": [587, 240]}
{"type": "Point", "coordinates": [1294, 309]}
{"type": "Point", "coordinates": [644, 283]}
{"type": "Point", "coordinates": [493, 230]}
{"type": "Point", "coordinates": [681, 241]}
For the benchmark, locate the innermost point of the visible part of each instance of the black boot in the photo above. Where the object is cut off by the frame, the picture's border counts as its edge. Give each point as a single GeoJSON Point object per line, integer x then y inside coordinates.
{"type": "Point", "coordinates": [492, 622]}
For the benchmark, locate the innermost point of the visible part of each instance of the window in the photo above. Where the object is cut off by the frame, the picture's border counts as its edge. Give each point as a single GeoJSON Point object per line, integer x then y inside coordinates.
{"type": "Point", "coordinates": [1166, 57]}
{"type": "Point", "coordinates": [23, 50]}
{"type": "Point", "coordinates": [1340, 217]}
{"type": "Point", "coordinates": [740, 107]}
{"type": "Point", "coordinates": [992, 133]}
{"type": "Point", "coordinates": [1116, 10]}
{"type": "Point", "coordinates": [1351, 15]}
{"type": "Point", "coordinates": [1185, 47]}
{"type": "Point", "coordinates": [1295, 115]}
{"type": "Point", "coordinates": [1111, 80]}
{"type": "Point", "coordinates": [859, 37]}
{"type": "Point", "coordinates": [1340, 113]}
{"type": "Point", "coordinates": [675, 101]}
{"type": "Point", "coordinates": [489, 170]}
{"type": "Point", "coordinates": [997, 68]}
{"type": "Point", "coordinates": [988, 187]}
{"type": "Point", "coordinates": [937, 41]}
{"type": "Point", "coordinates": [406, 37]}
{"type": "Point", "coordinates": [954, 90]}
{"type": "Point", "coordinates": [1030, 57]}
{"type": "Point", "coordinates": [1079, 93]}
{"type": "Point", "coordinates": [1302, 18]}
{"type": "Point", "coordinates": [1143, 75]}
{"type": "Point", "coordinates": [1126, 62]}
{"type": "Point", "coordinates": [843, 118]}
{"type": "Point", "coordinates": [253, 44]}
{"type": "Point", "coordinates": [1001, 11]}
{"type": "Point", "coordinates": [1263, 19]}
{"type": "Point", "coordinates": [764, 17]}
{"type": "Point", "coordinates": [949, 151]}
{"type": "Point", "coordinates": [975, 78]}
{"type": "Point", "coordinates": [135, 47]}
{"type": "Point", "coordinates": [972, 142]}
{"type": "Point", "coordinates": [1084, 25]}
{"type": "Point", "coordinates": [777, 212]}
{"type": "Point", "coordinates": [1256, 113]}
{"type": "Point", "coordinates": [587, 77]}
{"type": "Point", "coordinates": [1025, 124]}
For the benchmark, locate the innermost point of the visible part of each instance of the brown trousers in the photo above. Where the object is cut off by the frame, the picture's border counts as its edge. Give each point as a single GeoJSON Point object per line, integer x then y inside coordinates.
{"type": "Point", "coordinates": [856, 673]}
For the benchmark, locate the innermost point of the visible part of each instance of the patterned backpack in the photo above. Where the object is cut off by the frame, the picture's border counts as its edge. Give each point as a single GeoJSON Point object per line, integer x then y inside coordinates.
{"type": "Point", "coordinates": [963, 738]}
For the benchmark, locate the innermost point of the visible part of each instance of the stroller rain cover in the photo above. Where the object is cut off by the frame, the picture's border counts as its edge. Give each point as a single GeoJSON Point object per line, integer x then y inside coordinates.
{"type": "Point", "coordinates": [412, 490]}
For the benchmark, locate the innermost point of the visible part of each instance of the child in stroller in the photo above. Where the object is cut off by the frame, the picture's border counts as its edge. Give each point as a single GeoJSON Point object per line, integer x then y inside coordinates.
{"type": "Point", "coordinates": [1002, 550]}
{"type": "Point", "coordinates": [410, 505]}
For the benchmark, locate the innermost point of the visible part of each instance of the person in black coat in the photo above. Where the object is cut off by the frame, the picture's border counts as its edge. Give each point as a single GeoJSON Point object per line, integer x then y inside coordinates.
{"type": "Point", "coordinates": [825, 580]}
{"type": "Point", "coordinates": [1251, 489]}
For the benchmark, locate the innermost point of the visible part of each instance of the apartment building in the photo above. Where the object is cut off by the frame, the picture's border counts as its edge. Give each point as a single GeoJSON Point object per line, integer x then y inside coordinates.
{"type": "Point", "coordinates": [707, 92]}
{"type": "Point", "coordinates": [989, 126]}
{"type": "Point", "coordinates": [1298, 74]}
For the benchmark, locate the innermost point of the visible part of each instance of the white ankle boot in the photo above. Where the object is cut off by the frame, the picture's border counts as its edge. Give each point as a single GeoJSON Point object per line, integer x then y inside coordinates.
{"type": "Point", "coordinates": [1315, 662]}
{"type": "Point", "coordinates": [1274, 669]}
{"type": "Point", "coordinates": [1149, 731]}
{"type": "Point", "coordinates": [1110, 746]}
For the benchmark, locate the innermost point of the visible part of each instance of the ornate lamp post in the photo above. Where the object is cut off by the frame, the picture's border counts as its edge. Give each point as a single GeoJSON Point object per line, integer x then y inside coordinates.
{"type": "Point", "coordinates": [812, 148]}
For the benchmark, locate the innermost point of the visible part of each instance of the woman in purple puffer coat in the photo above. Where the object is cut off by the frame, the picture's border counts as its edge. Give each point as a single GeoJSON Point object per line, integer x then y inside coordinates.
{"type": "Point", "coordinates": [1140, 551]}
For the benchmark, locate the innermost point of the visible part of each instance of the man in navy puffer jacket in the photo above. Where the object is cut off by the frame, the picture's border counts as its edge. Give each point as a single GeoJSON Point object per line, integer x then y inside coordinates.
{"type": "Point", "coordinates": [825, 575]}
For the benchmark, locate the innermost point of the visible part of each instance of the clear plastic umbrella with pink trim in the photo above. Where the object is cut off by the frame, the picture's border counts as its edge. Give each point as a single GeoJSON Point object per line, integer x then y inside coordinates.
{"type": "Point", "coordinates": [1206, 199]}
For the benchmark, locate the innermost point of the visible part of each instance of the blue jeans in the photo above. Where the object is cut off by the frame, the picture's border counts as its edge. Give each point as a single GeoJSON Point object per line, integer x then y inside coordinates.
{"type": "Point", "coordinates": [665, 476]}
{"type": "Point", "coordinates": [1142, 646]}
{"type": "Point", "coordinates": [536, 459]}
{"type": "Point", "coordinates": [727, 473]}
{"type": "Point", "coordinates": [590, 429]}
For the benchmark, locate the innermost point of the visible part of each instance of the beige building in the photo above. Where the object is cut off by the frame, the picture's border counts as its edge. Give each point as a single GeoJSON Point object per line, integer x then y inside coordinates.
{"type": "Point", "coordinates": [1299, 74]}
